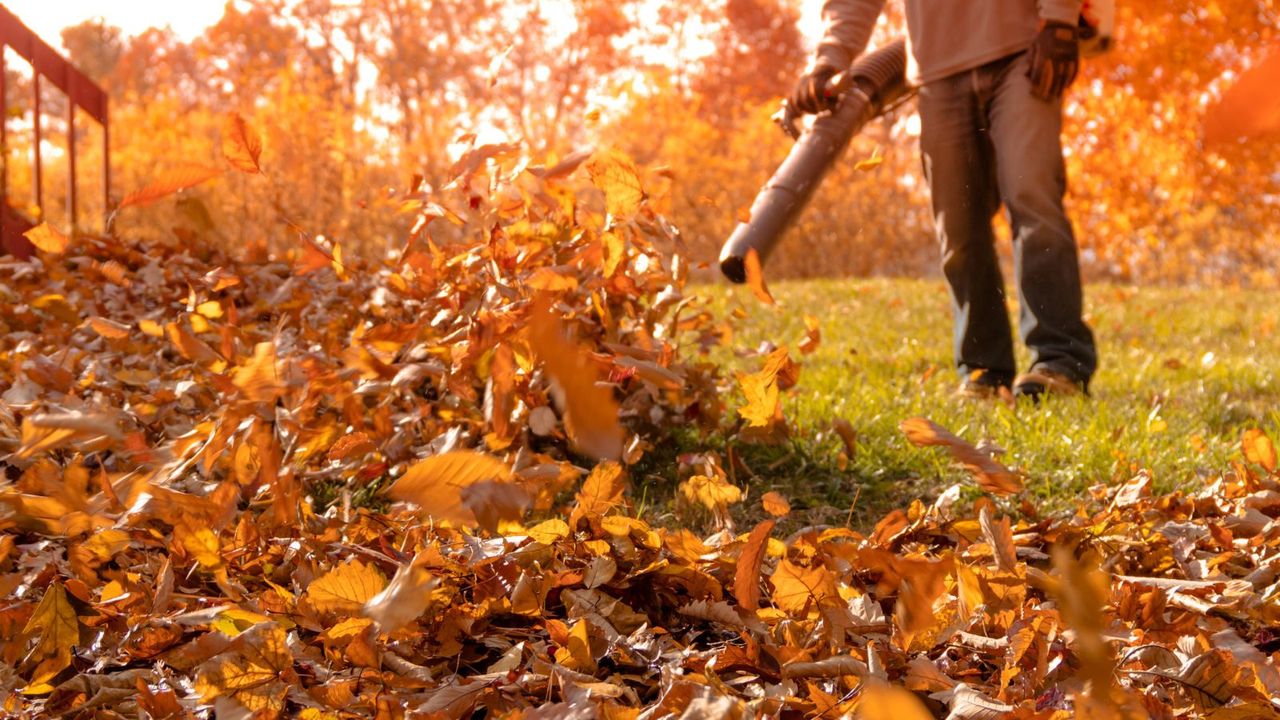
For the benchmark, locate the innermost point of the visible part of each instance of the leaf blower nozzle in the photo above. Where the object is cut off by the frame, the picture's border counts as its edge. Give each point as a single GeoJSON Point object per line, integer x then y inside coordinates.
{"type": "Point", "coordinates": [874, 83]}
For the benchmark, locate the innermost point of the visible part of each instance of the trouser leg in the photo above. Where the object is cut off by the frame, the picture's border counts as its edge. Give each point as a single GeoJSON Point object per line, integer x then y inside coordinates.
{"type": "Point", "coordinates": [959, 166]}
{"type": "Point", "coordinates": [1026, 133]}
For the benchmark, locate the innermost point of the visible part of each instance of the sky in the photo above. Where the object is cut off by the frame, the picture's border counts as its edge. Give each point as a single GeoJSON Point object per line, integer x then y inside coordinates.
{"type": "Point", "coordinates": [188, 18]}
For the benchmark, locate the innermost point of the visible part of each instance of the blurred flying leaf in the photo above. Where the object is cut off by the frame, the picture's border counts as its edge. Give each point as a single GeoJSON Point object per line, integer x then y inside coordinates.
{"type": "Point", "coordinates": [616, 176]}
{"type": "Point", "coordinates": [775, 504]}
{"type": "Point", "coordinates": [755, 277]}
{"type": "Point", "coordinates": [746, 578]}
{"type": "Point", "coordinates": [169, 182]}
{"type": "Point", "coordinates": [992, 476]}
{"type": "Point", "coordinates": [241, 144]}
{"type": "Point", "coordinates": [48, 239]}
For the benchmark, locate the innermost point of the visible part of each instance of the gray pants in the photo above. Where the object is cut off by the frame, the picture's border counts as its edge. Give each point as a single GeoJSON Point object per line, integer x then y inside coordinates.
{"type": "Point", "coordinates": [987, 140]}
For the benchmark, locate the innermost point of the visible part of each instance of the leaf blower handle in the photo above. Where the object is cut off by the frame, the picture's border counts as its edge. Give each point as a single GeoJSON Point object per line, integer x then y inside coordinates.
{"type": "Point", "coordinates": [788, 117]}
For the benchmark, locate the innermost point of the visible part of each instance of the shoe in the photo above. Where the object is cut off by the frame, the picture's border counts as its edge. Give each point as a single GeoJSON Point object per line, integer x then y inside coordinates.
{"type": "Point", "coordinates": [984, 385]}
{"type": "Point", "coordinates": [1041, 381]}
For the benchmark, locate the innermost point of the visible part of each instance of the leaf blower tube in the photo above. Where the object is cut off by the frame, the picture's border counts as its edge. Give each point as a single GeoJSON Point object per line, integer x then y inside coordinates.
{"type": "Point", "coordinates": [872, 85]}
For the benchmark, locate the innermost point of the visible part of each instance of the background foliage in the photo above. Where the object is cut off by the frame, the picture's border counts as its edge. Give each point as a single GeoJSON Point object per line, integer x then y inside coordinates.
{"type": "Point", "coordinates": [356, 99]}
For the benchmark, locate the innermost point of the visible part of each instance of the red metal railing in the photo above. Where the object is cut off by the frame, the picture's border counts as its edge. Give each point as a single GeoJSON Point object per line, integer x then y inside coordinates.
{"type": "Point", "coordinates": [81, 92]}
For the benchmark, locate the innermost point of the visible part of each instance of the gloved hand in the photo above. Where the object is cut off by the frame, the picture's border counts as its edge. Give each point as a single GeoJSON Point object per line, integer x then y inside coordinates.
{"type": "Point", "coordinates": [810, 95]}
{"type": "Point", "coordinates": [1055, 59]}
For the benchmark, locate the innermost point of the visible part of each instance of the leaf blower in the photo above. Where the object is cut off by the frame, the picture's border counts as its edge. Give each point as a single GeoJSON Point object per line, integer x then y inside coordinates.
{"type": "Point", "coordinates": [867, 90]}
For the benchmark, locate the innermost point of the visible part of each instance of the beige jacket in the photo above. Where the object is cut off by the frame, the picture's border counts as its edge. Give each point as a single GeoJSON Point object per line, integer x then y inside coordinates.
{"type": "Point", "coordinates": [945, 36]}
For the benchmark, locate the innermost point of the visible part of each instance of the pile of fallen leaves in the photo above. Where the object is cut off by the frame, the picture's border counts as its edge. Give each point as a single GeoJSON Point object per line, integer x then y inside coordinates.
{"type": "Point", "coordinates": [172, 423]}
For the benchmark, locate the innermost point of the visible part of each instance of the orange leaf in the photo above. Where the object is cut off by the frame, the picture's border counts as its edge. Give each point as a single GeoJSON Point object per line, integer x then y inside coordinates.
{"type": "Point", "coordinates": [795, 587]}
{"type": "Point", "coordinates": [241, 144]}
{"type": "Point", "coordinates": [109, 329]}
{"type": "Point", "coordinates": [191, 347]}
{"type": "Point", "coordinates": [775, 504]}
{"type": "Point", "coordinates": [616, 176]}
{"type": "Point", "coordinates": [746, 579]}
{"type": "Point", "coordinates": [755, 277]}
{"type": "Point", "coordinates": [404, 599]}
{"type": "Point", "coordinates": [259, 379]}
{"type": "Point", "coordinates": [881, 701]}
{"type": "Point", "coordinates": [992, 476]}
{"type": "Point", "coordinates": [1259, 449]}
{"type": "Point", "coordinates": [47, 238]}
{"type": "Point", "coordinates": [591, 413]}
{"type": "Point", "coordinates": [170, 182]}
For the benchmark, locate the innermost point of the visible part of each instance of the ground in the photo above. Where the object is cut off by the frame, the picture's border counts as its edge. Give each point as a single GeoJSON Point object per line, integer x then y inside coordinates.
{"type": "Point", "coordinates": [1184, 372]}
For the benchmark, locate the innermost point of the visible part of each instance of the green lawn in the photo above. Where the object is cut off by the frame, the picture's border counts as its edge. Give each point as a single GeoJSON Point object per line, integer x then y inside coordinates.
{"type": "Point", "coordinates": [1183, 373]}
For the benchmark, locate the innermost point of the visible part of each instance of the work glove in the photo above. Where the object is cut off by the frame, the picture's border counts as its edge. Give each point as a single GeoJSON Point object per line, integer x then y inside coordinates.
{"type": "Point", "coordinates": [810, 94]}
{"type": "Point", "coordinates": [1055, 59]}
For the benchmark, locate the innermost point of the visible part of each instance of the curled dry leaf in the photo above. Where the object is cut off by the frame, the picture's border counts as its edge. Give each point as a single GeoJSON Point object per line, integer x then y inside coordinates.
{"type": "Point", "coordinates": [406, 597]}
{"type": "Point", "coordinates": [992, 476]}
{"type": "Point", "coordinates": [746, 580]}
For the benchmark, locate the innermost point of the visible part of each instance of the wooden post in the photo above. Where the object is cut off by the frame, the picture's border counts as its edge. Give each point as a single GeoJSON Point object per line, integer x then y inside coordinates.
{"type": "Point", "coordinates": [35, 122]}
{"type": "Point", "coordinates": [71, 165]}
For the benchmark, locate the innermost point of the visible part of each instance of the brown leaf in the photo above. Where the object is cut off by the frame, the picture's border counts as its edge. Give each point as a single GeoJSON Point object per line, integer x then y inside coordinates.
{"type": "Point", "coordinates": [848, 436]}
{"type": "Point", "coordinates": [169, 182]}
{"type": "Point", "coordinates": [992, 476]}
{"type": "Point", "coordinates": [746, 579]}
{"type": "Point", "coordinates": [591, 413]}
{"type": "Point", "coordinates": [968, 703]}
{"type": "Point", "coordinates": [241, 144]}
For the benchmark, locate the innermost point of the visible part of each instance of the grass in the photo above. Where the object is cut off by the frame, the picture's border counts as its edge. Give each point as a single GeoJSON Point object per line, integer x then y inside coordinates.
{"type": "Point", "coordinates": [1183, 373]}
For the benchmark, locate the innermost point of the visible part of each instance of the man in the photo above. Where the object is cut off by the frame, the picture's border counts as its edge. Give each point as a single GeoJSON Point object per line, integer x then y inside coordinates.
{"type": "Point", "coordinates": [991, 74]}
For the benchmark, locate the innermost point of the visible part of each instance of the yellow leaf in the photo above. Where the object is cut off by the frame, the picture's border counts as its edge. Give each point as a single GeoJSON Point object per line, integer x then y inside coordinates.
{"type": "Point", "coordinates": [345, 589]}
{"type": "Point", "coordinates": [591, 412]}
{"type": "Point", "coordinates": [190, 346]}
{"type": "Point", "coordinates": [761, 389]}
{"type": "Point", "coordinates": [576, 653]}
{"type": "Point", "coordinates": [347, 629]}
{"type": "Point", "coordinates": [1259, 449]}
{"type": "Point", "coordinates": [755, 277]}
{"type": "Point", "coordinates": [255, 658]}
{"type": "Point", "coordinates": [234, 621]}
{"type": "Point", "coordinates": [615, 175]}
{"type": "Point", "coordinates": [211, 309]}
{"type": "Point", "coordinates": [713, 493]}
{"type": "Point", "coordinates": [151, 328]}
{"type": "Point", "coordinates": [615, 250]}
{"type": "Point", "coordinates": [241, 144]}
{"type": "Point", "coordinates": [549, 531]}
{"type": "Point", "coordinates": [547, 279]}
{"type": "Point", "coordinates": [881, 701]}
{"type": "Point", "coordinates": [462, 487]}
{"type": "Point", "coordinates": [775, 504]}
{"type": "Point", "coordinates": [59, 632]}
{"type": "Point", "coordinates": [47, 238]}
{"type": "Point", "coordinates": [870, 163]}
{"type": "Point", "coordinates": [200, 543]}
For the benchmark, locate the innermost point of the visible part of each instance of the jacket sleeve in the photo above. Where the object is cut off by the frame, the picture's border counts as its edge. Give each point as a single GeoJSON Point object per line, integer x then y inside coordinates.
{"type": "Point", "coordinates": [847, 26]}
{"type": "Point", "coordinates": [1067, 11]}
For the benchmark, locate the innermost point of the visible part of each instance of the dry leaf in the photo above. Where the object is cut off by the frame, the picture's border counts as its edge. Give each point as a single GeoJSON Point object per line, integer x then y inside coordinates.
{"type": "Point", "coordinates": [591, 413]}
{"type": "Point", "coordinates": [1259, 449]}
{"type": "Point", "coordinates": [881, 701]}
{"type": "Point", "coordinates": [775, 504]}
{"type": "Point", "coordinates": [48, 239]}
{"type": "Point", "coordinates": [241, 144]}
{"type": "Point", "coordinates": [403, 600]}
{"type": "Point", "coordinates": [169, 182]}
{"type": "Point", "coordinates": [746, 578]}
{"type": "Point", "coordinates": [992, 476]}
{"type": "Point", "coordinates": [755, 277]}
{"type": "Point", "coordinates": [615, 175]}
{"type": "Point", "coordinates": [443, 486]}
{"type": "Point", "coordinates": [345, 589]}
